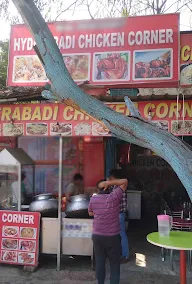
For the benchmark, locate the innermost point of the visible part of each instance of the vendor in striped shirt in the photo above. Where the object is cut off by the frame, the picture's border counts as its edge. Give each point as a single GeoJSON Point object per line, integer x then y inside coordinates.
{"type": "Point", "coordinates": [106, 228]}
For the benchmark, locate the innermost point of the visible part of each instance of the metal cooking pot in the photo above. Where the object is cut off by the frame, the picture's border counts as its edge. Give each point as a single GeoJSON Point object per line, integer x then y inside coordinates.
{"type": "Point", "coordinates": [46, 204]}
{"type": "Point", "coordinates": [77, 207]}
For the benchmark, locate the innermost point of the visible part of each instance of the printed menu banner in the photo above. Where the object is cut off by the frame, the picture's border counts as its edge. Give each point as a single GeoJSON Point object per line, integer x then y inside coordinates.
{"type": "Point", "coordinates": [186, 59]}
{"type": "Point", "coordinates": [19, 236]}
{"type": "Point", "coordinates": [127, 50]}
{"type": "Point", "coordinates": [59, 119]}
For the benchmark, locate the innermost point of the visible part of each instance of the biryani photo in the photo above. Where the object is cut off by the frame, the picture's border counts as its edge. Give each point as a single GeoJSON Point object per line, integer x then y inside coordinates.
{"type": "Point", "coordinates": [78, 66]}
{"type": "Point", "coordinates": [162, 124]}
{"type": "Point", "coordinates": [26, 258]}
{"type": "Point", "coordinates": [37, 129]}
{"type": "Point", "coordinates": [10, 231]}
{"type": "Point", "coordinates": [181, 127]}
{"type": "Point", "coordinates": [10, 129]}
{"type": "Point", "coordinates": [64, 129]}
{"type": "Point", "coordinates": [82, 129]}
{"type": "Point", "coordinates": [27, 233]}
{"type": "Point", "coordinates": [98, 129]}
{"type": "Point", "coordinates": [186, 74]}
{"type": "Point", "coordinates": [9, 244]}
{"type": "Point", "coordinates": [9, 256]}
{"type": "Point", "coordinates": [28, 69]}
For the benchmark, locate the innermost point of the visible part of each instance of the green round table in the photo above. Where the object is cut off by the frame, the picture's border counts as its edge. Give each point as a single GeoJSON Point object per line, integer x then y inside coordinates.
{"type": "Point", "coordinates": [178, 240]}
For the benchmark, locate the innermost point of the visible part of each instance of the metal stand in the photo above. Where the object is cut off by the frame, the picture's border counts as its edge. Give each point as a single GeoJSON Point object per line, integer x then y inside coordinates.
{"type": "Point", "coordinates": [59, 203]}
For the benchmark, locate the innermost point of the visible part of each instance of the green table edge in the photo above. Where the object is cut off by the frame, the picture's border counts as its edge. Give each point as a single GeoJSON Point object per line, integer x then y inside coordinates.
{"type": "Point", "coordinates": [178, 240]}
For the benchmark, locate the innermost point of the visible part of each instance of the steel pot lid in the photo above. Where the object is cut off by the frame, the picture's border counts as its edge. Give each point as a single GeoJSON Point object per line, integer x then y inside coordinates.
{"type": "Point", "coordinates": [44, 196]}
{"type": "Point", "coordinates": [80, 197]}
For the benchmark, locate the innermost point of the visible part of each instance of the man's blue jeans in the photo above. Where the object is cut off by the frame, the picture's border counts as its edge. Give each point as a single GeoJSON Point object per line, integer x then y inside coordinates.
{"type": "Point", "coordinates": [124, 239]}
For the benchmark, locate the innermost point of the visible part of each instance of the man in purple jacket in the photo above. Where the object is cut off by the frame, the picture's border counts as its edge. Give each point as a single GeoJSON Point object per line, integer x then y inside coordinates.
{"type": "Point", "coordinates": [106, 228]}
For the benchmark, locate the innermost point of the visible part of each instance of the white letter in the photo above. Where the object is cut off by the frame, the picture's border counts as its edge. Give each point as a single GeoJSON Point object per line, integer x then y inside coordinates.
{"type": "Point", "coordinates": [138, 38]}
{"type": "Point", "coordinates": [99, 39]}
{"type": "Point", "coordinates": [120, 39]}
{"type": "Point", "coordinates": [169, 36]}
{"type": "Point", "coordinates": [162, 36]}
{"type": "Point", "coordinates": [106, 40]}
{"type": "Point", "coordinates": [9, 219]}
{"type": "Point", "coordinates": [81, 41]}
{"type": "Point", "coordinates": [26, 219]}
{"type": "Point", "coordinates": [4, 217]}
{"type": "Point", "coordinates": [29, 44]}
{"type": "Point", "coordinates": [56, 39]}
{"type": "Point", "coordinates": [31, 219]}
{"type": "Point", "coordinates": [154, 37]}
{"type": "Point", "coordinates": [68, 42]}
{"type": "Point", "coordinates": [23, 42]}
{"type": "Point", "coordinates": [14, 218]}
{"type": "Point", "coordinates": [146, 37]}
{"type": "Point", "coordinates": [88, 40]}
{"type": "Point", "coordinates": [113, 39]}
{"type": "Point", "coordinates": [17, 44]}
{"type": "Point", "coordinates": [131, 41]}
{"type": "Point", "coordinates": [61, 42]}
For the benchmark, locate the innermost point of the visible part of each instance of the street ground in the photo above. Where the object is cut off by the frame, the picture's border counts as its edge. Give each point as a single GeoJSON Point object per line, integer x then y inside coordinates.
{"type": "Point", "coordinates": [145, 267]}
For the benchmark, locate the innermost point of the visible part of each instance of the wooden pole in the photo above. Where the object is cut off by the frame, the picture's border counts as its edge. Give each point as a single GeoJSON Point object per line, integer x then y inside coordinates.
{"type": "Point", "coordinates": [59, 203]}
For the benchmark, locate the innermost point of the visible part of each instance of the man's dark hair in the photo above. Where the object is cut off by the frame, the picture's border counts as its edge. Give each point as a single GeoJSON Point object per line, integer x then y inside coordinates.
{"type": "Point", "coordinates": [99, 183]}
{"type": "Point", "coordinates": [101, 190]}
{"type": "Point", "coordinates": [116, 173]}
{"type": "Point", "coordinates": [78, 177]}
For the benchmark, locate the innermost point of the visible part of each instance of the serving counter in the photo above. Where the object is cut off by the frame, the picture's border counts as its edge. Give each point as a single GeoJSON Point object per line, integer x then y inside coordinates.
{"type": "Point", "coordinates": [75, 236]}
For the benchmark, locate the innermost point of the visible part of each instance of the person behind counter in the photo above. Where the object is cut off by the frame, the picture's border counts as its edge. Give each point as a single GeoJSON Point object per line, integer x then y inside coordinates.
{"type": "Point", "coordinates": [104, 206]}
{"type": "Point", "coordinates": [15, 189]}
{"type": "Point", "coordinates": [75, 187]}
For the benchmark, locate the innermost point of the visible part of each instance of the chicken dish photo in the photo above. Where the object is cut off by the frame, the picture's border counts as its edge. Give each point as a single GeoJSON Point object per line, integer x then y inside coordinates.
{"type": "Point", "coordinates": [9, 244]}
{"type": "Point", "coordinates": [153, 64]}
{"type": "Point", "coordinates": [111, 66]}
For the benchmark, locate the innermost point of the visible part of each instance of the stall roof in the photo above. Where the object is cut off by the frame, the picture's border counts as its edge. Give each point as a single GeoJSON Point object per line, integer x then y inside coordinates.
{"type": "Point", "coordinates": [21, 94]}
{"type": "Point", "coordinates": [14, 157]}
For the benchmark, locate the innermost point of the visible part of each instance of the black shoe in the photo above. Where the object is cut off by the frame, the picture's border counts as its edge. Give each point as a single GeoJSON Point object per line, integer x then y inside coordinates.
{"type": "Point", "coordinates": [124, 260]}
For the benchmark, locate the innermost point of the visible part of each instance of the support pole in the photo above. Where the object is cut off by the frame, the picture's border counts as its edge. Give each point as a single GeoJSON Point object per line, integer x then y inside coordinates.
{"type": "Point", "coordinates": [183, 278]}
{"type": "Point", "coordinates": [19, 188]}
{"type": "Point", "coordinates": [59, 202]}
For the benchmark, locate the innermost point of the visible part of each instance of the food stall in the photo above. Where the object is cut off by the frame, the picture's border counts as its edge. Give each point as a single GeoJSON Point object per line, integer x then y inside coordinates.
{"type": "Point", "coordinates": [11, 163]}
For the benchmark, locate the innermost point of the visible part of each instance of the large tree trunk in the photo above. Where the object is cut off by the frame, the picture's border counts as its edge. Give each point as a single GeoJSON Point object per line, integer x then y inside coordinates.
{"type": "Point", "coordinates": [132, 129]}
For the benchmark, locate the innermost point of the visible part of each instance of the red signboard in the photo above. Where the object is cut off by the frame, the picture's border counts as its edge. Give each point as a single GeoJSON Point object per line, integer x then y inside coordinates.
{"type": "Point", "coordinates": [59, 119]}
{"type": "Point", "coordinates": [186, 59]}
{"type": "Point", "coordinates": [19, 236]}
{"type": "Point", "coordinates": [122, 51]}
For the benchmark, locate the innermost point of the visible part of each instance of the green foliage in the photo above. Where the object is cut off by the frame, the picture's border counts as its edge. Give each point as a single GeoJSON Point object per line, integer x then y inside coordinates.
{"type": "Point", "coordinates": [4, 46]}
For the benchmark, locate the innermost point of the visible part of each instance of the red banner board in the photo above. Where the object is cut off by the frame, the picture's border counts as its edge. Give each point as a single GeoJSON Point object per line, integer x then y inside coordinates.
{"type": "Point", "coordinates": [59, 119]}
{"type": "Point", "coordinates": [186, 59]}
{"type": "Point", "coordinates": [121, 51]}
{"type": "Point", "coordinates": [19, 236]}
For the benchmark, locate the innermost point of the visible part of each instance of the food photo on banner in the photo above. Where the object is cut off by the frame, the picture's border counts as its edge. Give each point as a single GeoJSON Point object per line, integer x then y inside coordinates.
{"type": "Point", "coordinates": [129, 51]}
{"type": "Point", "coordinates": [186, 59]}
